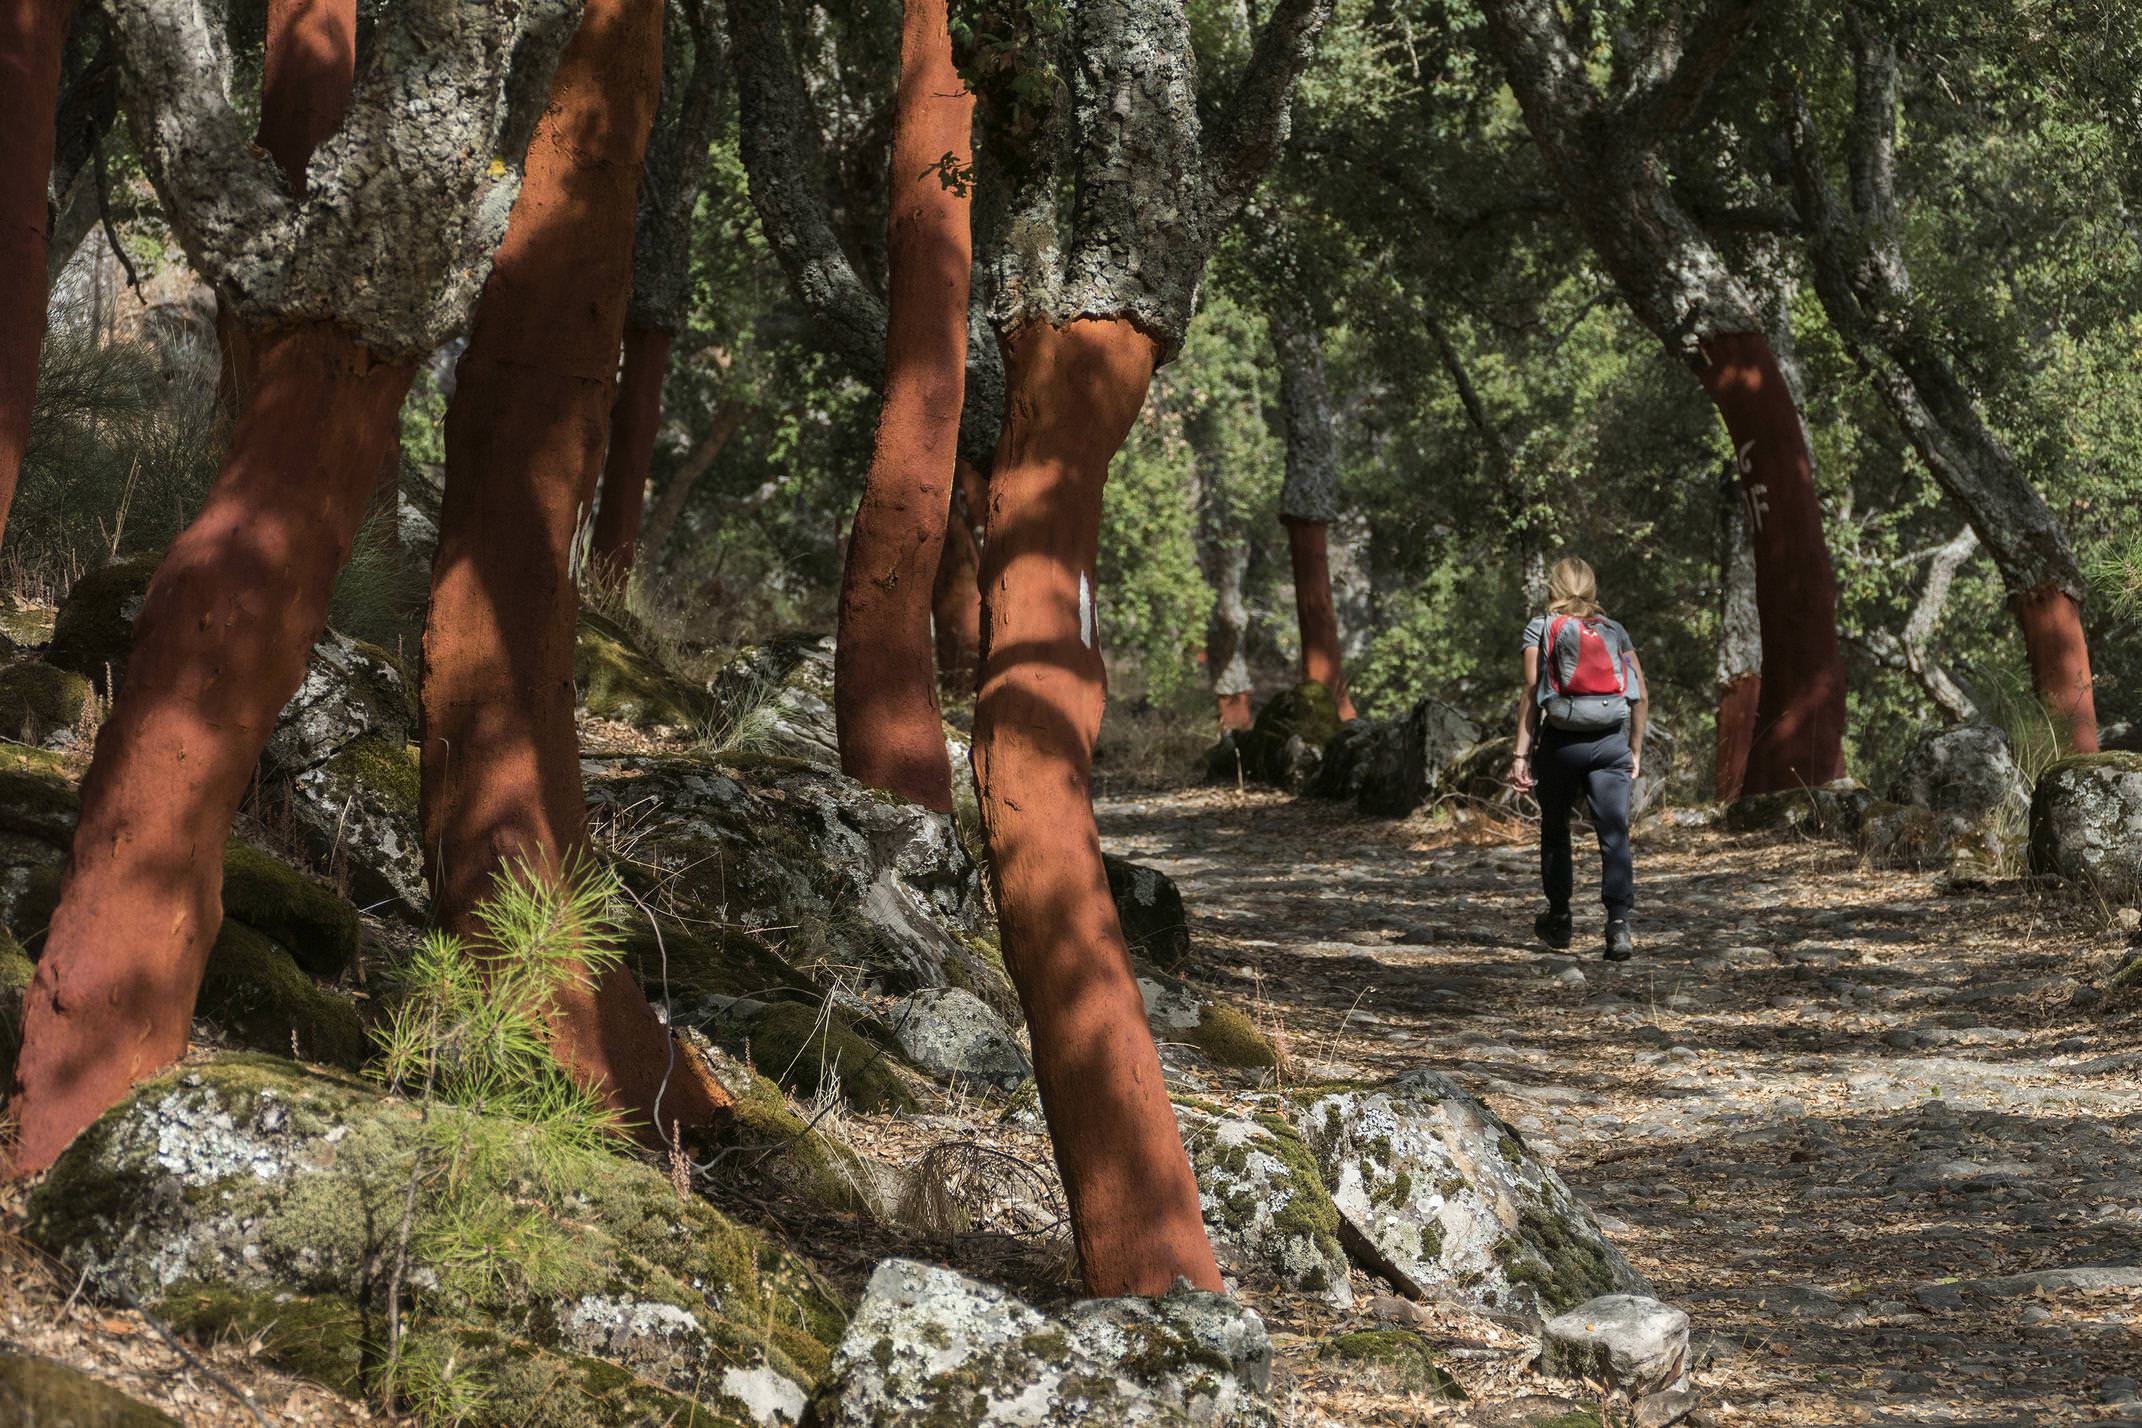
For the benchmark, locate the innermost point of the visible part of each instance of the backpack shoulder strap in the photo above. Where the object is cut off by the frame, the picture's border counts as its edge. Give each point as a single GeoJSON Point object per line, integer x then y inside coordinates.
{"type": "Point", "coordinates": [1548, 638]}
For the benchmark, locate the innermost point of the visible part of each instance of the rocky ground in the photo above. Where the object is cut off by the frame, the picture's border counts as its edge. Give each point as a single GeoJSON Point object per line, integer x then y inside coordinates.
{"type": "Point", "coordinates": [1882, 1142]}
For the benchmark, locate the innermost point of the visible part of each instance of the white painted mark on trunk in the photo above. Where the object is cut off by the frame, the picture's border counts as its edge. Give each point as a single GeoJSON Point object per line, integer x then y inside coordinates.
{"type": "Point", "coordinates": [1086, 629]}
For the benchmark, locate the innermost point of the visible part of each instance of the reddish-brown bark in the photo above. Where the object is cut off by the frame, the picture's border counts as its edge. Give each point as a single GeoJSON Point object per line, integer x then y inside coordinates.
{"type": "Point", "coordinates": [1313, 607]}
{"type": "Point", "coordinates": [525, 435]}
{"type": "Point", "coordinates": [956, 604]}
{"type": "Point", "coordinates": [2060, 663]}
{"type": "Point", "coordinates": [309, 68]}
{"type": "Point", "coordinates": [1072, 393]}
{"type": "Point", "coordinates": [884, 693]}
{"type": "Point", "coordinates": [1800, 714]}
{"type": "Point", "coordinates": [1234, 710]}
{"type": "Point", "coordinates": [1736, 731]}
{"type": "Point", "coordinates": [32, 35]}
{"type": "Point", "coordinates": [635, 418]}
{"type": "Point", "coordinates": [219, 647]}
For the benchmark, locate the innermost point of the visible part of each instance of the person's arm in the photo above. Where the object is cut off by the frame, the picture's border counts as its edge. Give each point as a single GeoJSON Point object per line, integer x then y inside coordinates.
{"type": "Point", "coordinates": [1639, 713]}
{"type": "Point", "coordinates": [1528, 710]}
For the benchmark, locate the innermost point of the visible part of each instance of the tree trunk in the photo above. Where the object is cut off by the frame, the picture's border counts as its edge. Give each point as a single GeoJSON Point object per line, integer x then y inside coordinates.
{"type": "Point", "coordinates": [525, 436]}
{"type": "Point", "coordinates": [662, 520]}
{"type": "Point", "coordinates": [956, 602]}
{"type": "Point", "coordinates": [219, 648]}
{"type": "Point", "coordinates": [310, 66]}
{"type": "Point", "coordinates": [1740, 643]}
{"type": "Point", "coordinates": [33, 34]}
{"type": "Point", "coordinates": [635, 419]}
{"type": "Point", "coordinates": [1225, 633]}
{"type": "Point", "coordinates": [1073, 392]}
{"type": "Point", "coordinates": [1800, 713]}
{"type": "Point", "coordinates": [1313, 608]}
{"type": "Point", "coordinates": [2060, 663]}
{"type": "Point", "coordinates": [884, 695]}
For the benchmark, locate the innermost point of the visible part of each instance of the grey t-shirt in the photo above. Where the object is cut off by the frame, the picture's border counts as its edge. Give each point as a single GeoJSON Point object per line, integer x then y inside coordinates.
{"type": "Point", "coordinates": [1536, 630]}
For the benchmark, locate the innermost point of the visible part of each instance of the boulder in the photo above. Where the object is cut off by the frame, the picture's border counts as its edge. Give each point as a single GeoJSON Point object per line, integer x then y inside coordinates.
{"type": "Point", "coordinates": [1629, 1342]}
{"type": "Point", "coordinates": [295, 909]}
{"type": "Point", "coordinates": [1393, 1359]}
{"type": "Point", "coordinates": [1899, 835]}
{"type": "Point", "coordinates": [1437, 1194]}
{"type": "Point", "coordinates": [953, 1035]}
{"type": "Point", "coordinates": [40, 700]}
{"type": "Point", "coordinates": [248, 1197]}
{"type": "Point", "coordinates": [618, 679]}
{"type": "Point", "coordinates": [847, 885]}
{"type": "Point", "coordinates": [1831, 809]}
{"type": "Point", "coordinates": [1266, 1210]}
{"type": "Point", "coordinates": [1388, 766]}
{"type": "Point", "coordinates": [1283, 745]}
{"type": "Point", "coordinates": [94, 629]}
{"type": "Point", "coordinates": [931, 1348]}
{"type": "Point", "coordinates": [1967, 770]}
{"type": "Point", "coordinates": [807, 1048]}
{"type": "Point", "coordinates": [41, 1392]}
{"type": "Point", "coordinates": [352, 690]}
{"type": "Point", "coordinates": [1150, 908]}
{"type": "Point", "coordinates": [2086, 823]}
{"type": "Point", "coordinates": [1480, 776]}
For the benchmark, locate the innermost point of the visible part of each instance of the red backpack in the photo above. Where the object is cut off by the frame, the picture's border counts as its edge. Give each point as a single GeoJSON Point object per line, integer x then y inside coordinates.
{"type": "Point", "coordinates": [1584, 674]}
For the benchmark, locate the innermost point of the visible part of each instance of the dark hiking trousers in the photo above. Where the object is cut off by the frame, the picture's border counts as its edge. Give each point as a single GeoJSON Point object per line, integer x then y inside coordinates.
{"type": "Point", "coordinates": [1595, 768]}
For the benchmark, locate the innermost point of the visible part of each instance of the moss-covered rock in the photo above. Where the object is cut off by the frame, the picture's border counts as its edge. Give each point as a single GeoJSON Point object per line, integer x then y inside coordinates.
{"type": "Point", "coordinates": [618, 679]}
{"type": "Point", "coordinates": [1150, 908]}
{"type": "Point", "coordinates": [1898, 835]}
{"type": "Point", "coordinates": [765, 1140]}
{"type": "Point", "coordinates": [1399, 1357]}
{"type": "Point", "coordinates": [37, 699]}
{"type": "Point", "coordinates": [255, 993]}
{"type": "Point", "coordinates": [1183, 1015]}
{"type": "Point", "coordinates": [806, 1048]}
{"type": "Point", "coordinates": [777, 698]}
{"type": "Point", "coordinates": [696, 965]}
{"type": "Point", "coordinates": [1442, 1198]}
{"type": "Point", "coordinates": [312, 922]}
{"type": "Point", "coordinates": [279, 1186]}
{"type": "Point", "coordinates": [16, 969]}
{"type": "Point", "coordinates": [352, 690]}
{"type": "Point", "coordinates": [37, 799]}
{"type": "Point", "coordinates": [36, 1391]}
{"type": "Point", "coordinates": [2086, 823]}
{"type": "Point", "coordinates": [94, 630]}
{"type": "Point", "coordinates": [1266, 1209]}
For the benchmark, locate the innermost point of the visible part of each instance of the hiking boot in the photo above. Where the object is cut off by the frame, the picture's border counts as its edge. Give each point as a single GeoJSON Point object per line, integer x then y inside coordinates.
{"type": "Point", "coordinates": [1553, 928]}
{"type": "Point", "coordinates": [1620, 946]}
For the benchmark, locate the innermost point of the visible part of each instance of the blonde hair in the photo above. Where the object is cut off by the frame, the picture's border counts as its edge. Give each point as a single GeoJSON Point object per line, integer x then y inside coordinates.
{"type": "Point", "coordinates": [1572, 588]}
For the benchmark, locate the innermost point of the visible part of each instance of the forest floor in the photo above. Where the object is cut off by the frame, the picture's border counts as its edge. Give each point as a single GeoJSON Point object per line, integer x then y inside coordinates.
{"type": "Point", "coordinates": [1834, 1113]}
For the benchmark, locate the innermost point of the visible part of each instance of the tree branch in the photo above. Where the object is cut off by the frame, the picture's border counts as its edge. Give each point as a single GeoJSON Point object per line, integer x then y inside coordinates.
{"type": "Point", "coordinates": [1251, 132]}
{"type": "Point", "coordinates": [1667, 94]}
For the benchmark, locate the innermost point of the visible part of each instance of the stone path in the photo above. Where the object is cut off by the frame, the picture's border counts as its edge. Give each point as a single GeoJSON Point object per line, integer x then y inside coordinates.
{"type": "Point", "coordinates": [1883, 1143]}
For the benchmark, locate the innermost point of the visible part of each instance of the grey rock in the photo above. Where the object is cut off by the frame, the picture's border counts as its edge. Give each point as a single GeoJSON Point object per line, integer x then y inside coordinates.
{"type": "Point", "coordinates": [1150, 908]}
{"type": "Point", "coordinates": [1440, 1195]}
{"type": "Point", "coordinates": [931, 1348]}
{"type": "Point", "coordinates": [1630, 1342]}
{"type": "Point", "coordinates": [352, 690]}
{"type": "Point", "coordinates": [1904, 835]}
{"type": "Point", "coordinates": [777, 698]}
{"type": "Point", "coordinates": [2086, 823]}
{"type": "Point", "coordinates": [1387, 766]}
{"type": "Point", "coordinates": [953, 1034]}
{"type": "Point", "coordinates": [1267, 1212]}
{"type": "Point", "coordinates": [846, 881]}
{"type": "Point", "coordinates": [1968, 770]}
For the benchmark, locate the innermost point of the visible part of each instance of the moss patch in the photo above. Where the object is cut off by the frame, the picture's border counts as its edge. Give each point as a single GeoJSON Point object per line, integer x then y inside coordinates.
{"type": "Point", "coordinates": [36, 798]}
{"type": "Point", "coordinates": [721, 963]}
{"type": "Point", "coordinates": [37, 698]}
{"type": "Point", "coordinates": [1399, 1356]}
{"type": "Point", "coordinates": [1564, 1270]}
{"type": "Point", "coordinates": [324, 1340]}
{"type": "Point", "coordinates": [46, 1392]}
{"type": "Point", "coordinates": [387, 768]}
{"type": "Point", "coordinates": [15, 973]}
{"type": "Point", "coordinates": [306, 916]}
{"type": "Point", "coordinates": [1229, 1038]}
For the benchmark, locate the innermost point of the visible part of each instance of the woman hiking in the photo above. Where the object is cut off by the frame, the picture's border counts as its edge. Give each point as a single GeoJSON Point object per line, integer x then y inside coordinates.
{"type": "Point", "coordinates": [1580, 734]}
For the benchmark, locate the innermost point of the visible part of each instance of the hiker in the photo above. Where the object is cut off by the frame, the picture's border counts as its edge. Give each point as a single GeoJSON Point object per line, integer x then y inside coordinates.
{"type": "Point", "coordinates": [1580, 734]}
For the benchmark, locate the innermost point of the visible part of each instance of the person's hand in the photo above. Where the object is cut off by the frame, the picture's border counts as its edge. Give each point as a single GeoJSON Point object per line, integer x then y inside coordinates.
{"type": "Point", "coordinates": [1636, 765]}
{"type": "Point", "coordinates": [1521, 777]}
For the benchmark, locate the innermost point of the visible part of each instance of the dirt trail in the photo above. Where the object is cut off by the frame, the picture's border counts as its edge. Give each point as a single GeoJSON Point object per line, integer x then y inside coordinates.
{"type": "Point", "coordinates": [1822, 1109]}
